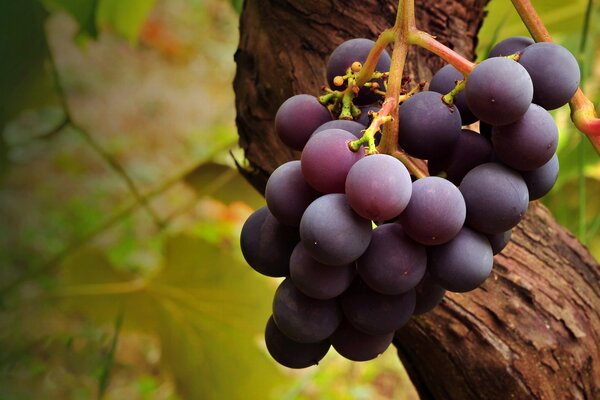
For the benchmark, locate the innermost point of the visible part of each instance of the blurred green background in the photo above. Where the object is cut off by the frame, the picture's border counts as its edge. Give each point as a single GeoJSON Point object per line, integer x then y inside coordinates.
{"type": "Point", "coordinates": [120, 207]}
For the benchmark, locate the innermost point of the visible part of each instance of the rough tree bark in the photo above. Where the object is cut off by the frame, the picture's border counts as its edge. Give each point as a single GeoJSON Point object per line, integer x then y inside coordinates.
{"type": "Point", "coordinates": [532, 331]}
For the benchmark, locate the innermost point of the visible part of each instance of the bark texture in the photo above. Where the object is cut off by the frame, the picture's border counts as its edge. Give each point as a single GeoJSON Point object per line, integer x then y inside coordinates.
{"type": "Point", "coordinates": [532, 331]}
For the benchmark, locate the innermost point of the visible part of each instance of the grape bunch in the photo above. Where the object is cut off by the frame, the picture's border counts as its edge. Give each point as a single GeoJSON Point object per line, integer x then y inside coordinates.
{"type": "Point", "coordinates": [361, 243]}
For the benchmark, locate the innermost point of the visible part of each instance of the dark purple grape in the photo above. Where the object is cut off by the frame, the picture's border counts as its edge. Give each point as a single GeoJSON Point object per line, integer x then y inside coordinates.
{"type": "Point", "coordinates": [499, 241]}
{"type": "Point", "coordinates": [541, 180]}
{"type": "Point", "coordinates": [326, 160]}
{"type": "Point", "coordinates": [393, 262]}
{"type": "Point", "coordinates": [429, 294]}
{"type": "Point", "coordinates": [288, 194]}
{"type": "Point", "coordinates": [293, 354]}
{"type": "Point", "coordinates": [378, 187]}
{"type": "Point", "coordinates": [318, 280]}
{"type": "Point", "coordinates": [376, 313]}
{"type": "Point", "coordinates": [435, 213]}
{"type": "Point", "coordinates": [355, 128]}
{"type": "Point", "coordinates": [499, 91]}
{"type": "Point", "coordinates": [509, 46]}
{"type": "Point", "coordinates": [359, 346]}
{"type": "Point", "coordinates": [463, 263]}
{"type": "Point", "coordinates": [347, 53]}
{"type": "Point", "coordinates": [443, 81]}
{"type": "Point", "coordinates": [428, 126]}
{"type": "Point", "coordinates": [298, 117]}
{"type": "Point", "coordinates": [496, 198]}
{"type": "Point", "coordinates": [528, 143]}
{"type": "Point", "coordinates": [485, 130]}
{"type": "Point", "coordinates": [302, 318]}
{"type": "Point", "coordinates": [554, 72]}
{"type": "Point", "coordinates": [332, 232]}
{"type": "Point", "coordinates": [267, 244]}
{"type": "Point", "coordinates": [471, 150]}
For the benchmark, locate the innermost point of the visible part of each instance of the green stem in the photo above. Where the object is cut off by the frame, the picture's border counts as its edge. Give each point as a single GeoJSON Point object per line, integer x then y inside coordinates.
{"type": "Point", "coordinates": [449, 98]}
{"type": "Point", "coordinates": [428, 42]}
{"type": "Point", "coordinates": [366, 73]}
{"type": "Point", "coordinates": [368, 137]}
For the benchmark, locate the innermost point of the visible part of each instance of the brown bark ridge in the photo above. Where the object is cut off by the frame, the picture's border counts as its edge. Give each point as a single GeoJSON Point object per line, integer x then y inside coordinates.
{"type": "Point", "coordinates": [532, 331]}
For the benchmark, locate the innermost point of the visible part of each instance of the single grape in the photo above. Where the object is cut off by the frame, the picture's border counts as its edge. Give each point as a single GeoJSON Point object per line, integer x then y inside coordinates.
{"type": "Point", "coordinates": [326, 160]}
{"type": "Point", "coordinates": [393, 262]}
{"type": "Point", "coordinates": [541, 180]}
{"type": "Point", "coordinates": [302, 318]}
{"type": "Point", "coordinates": [443, 81]}
{"type": "Point", "coordinates": [499, 241]}
{"type": "Point", "coordinates": [428, 126]}
{"type": "Point", "coordinates": [293, 354]}
{"type": "Point", "coordinates": [496, 198]}
{"type": "Point", "coordinates": [499, 91]}
{"type": "Point", "coordinates": [298, 117]}
{"type": "Point", "coordinates": [318, 280]}
{"type": "Point", "coordinates": [347, 53]}
{"type": "Point", "coordinates": [429, 294]}
{"type": "Point", "coordinates": [435, 213]}
{"type": "Point", "coordinates": [511, 45]}
{"type": "Point", "coordinates": [378, 187]}
{"type": "Point", "coordinates": [527, 143]}
{"type": "Point", "coordinates": [376, 313]}
{"type": "Point", "coordinates": [288, 194]}
{"type": "Point", "coordinates": [554, 72]}
{"type": "Point", "coordinates": [463, 263]}
{"type": "Point", "coordinates": [267, 244]}
{"type": "Point", "coordinates": [355, 128]}
{"type": "Point", "coordinates": [355, 345]}
{"type": "Point", "coordinates": [332, 232]}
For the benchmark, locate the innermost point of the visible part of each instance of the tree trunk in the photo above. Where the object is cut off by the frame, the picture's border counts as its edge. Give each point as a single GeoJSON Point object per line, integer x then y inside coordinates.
{"type": "Point", "coordinates": [532, 330]}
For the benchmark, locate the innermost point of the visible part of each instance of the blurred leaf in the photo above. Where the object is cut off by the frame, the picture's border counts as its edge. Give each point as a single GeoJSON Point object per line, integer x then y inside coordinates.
{"type": "Point", "coordinates": [237, 5]}
{"type": "Point", "coordinates": [223, 183]}
{"type": "Point", "coordinates": [124, 17]}
{"type": "Point", "coordinates": [83, 11]}
{"type": "Point", "coordinates": [204, 304]}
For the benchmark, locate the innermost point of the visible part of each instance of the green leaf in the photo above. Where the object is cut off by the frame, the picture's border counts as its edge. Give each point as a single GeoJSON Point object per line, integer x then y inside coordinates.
{"type": "Point", "coordinates": [237, 5]}
{"type": "Point", "coordinates": [83, 11]}
{"type": "Point", "coordinates": [124, 17]}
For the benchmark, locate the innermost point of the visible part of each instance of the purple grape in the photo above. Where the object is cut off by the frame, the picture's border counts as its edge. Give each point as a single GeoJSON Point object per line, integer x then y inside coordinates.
{"type": "Point", "coordinates": [443, 81]}
{"type": "Point", "coordinates": [293, 354]}
{"type": "Point", "coordinates": [298, 117]}
{"type": "Point", "coordinates": [288, 194]}
{"type": "Point", "coordinates": [554, 72]}
{"type": "Point", "coordinates": [376, 313]}
{"type": "Point", "coordinates": [393, 262]}
{"type": "Point", "coordinates": [496, 198]}
{"type": "Point", "coordinates": [428, 126]}
{"type": "Point", "coordinates": [267, 244]}
{"type": "Point", "coordinates": [528, 143]}
{"type": "Point", "coordinates": [509, 46]}
{"type": "Point", "coordinates": [541, 180]}
{"type": "Point", "coordinates": [429, 294]}
{"type": "Point", "coordinates": [302, 318]}
{"type": "Point", "coordinates": [435, 213]}
{"type": "Point", "coordinates": [347, 53]}
{"type": "Point", "coordinates": [499, 91]}
{"type": "Point", "coordinates": [359, 346]}
{"type": "Point", "coordinates": [318, 280]}
{"type": "Point", "coordinates": [355, 128]}
{"type": "Point", "coordinates": [499, 241]}
{"type": "Point", "coordinates": [364, 114]}
{"type": "Point", "coordinates": [326, 160]}
{"type": "Point", "coordinates": [332, 232]}
{"type": "Point", "coordinates": [378, 187]}
{"type": "Point", "coordinates": [463, 263]}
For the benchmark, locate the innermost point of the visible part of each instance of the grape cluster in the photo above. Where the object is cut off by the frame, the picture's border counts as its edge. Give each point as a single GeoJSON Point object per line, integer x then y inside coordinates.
{"type": "Point", "coordinates": [362, 244]}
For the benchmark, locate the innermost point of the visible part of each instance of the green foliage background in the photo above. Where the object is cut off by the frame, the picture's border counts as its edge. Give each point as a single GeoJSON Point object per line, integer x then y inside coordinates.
{"type": "Point", "coordinates": [120, 271]}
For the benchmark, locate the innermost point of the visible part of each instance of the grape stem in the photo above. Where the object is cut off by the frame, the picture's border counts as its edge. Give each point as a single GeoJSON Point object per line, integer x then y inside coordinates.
{"type": "Point", "coordinates": [449, 98]}
{"type": "Point", "coordinates": [583, 112]}
{"type": "Point", "coordinates": [380, 117]}
{"type": "Point", "coordinates": [428, 42]}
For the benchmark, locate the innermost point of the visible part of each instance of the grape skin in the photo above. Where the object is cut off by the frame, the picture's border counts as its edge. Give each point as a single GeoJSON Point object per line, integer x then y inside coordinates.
{"type": "Point", "coordinates": [428, 126]}
{"type": "Point", "coordinates": [378, 187]}
{"type": "Point", "coordinates": [499, 241]}
{"type": "Point", "coordinates": [355, 128]}
{"type": "Point", "coordinates": [499, 91]}
{"type": "Point", "coordinates": [318, 280]}
{"type": "Point", "coordinates": [496, 198]}
{"type": "Point", "coordinates": [435, 213]}
{"type": "Point", "coordinates": [428, 295]}
{"type": "Point", "coordinates": [541, 180]}
{"type": "Point", "coordinates": [529, 142]}
{"type": "Point", "coordinates": [302, 318]}
{"type": "Point", "coordinates": [443, 81]}
{"type": "Point", "coordinates": [393, 263]}
{"type": "Point", "coordinates": [298, 117]}
{"type": "Point", "coordinates": [292, 354]}
{"type": "Point", "coordinates": [511, 45]}
{"type": "Point", "coordinates": [355, 345]}
{"type": "Point", "coordinates": [462, 264]}
{"type": "Point", "coordinates": [332, 232]}
{"type": "Point", "coordinates": [326, 160]}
